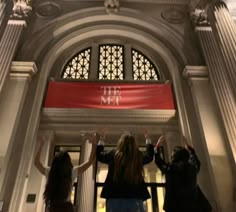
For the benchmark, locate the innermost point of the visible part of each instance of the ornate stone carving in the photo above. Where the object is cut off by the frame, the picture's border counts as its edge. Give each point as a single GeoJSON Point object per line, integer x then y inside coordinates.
{"type": "Point", "coordinates": [48, 9]}
{"type": "Point", "coordinates": [21, 9]}
{"type": "Point", "coordinates": [112, 6]}
{"type": "Point", "coordinates": [173, 15]}
{"type": "Point", "coordinates": [198, 12]}
{"type": "Point", "coordinates": [199, 17]}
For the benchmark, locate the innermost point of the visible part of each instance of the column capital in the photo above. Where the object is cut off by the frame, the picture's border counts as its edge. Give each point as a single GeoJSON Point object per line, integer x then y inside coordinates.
{"type": "Point", "coordinates": [21, 9]}
{"type": "Point", "coordinates": [203, 28]}
{"type": "Point", "coordinates": [199, 17]}
{"type": "Point", "coordinates": [195, 72]}
{"type": "Point", "coordinates": [17, 22]}
{"type": "Point", "coordinates": [218, 4]}
{"type": "Point", "coordinates": [22, 69]}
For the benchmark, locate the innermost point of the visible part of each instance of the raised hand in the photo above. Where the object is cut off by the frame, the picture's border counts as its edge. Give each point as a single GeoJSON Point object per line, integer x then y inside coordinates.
{"type": "Point", "coordinates": [160, 140]}
{"type": "Point", "coordinates": [94, 138]}
{"type": "Point", "coordinates": [146, 133]}
{"type": "Point", "coordinates": [102, 134]}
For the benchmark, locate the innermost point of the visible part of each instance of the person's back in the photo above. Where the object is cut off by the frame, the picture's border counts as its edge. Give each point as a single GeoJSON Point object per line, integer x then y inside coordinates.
{"type": "Point", "coordinates": [59, 184]}
{"type": "Point", "coordinates": [181, 184]}
{"type": "Point", "coordinates": [60, 177]}
{"type": "Point", "coordinates": [181, 179]}
{"type": "Point", "coordinates": [124, 187]}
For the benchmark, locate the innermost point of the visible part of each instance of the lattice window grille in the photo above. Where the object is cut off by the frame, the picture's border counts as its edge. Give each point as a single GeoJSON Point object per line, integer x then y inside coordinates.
{"type": "Point", "coordinates": [111, 65]}
{"type": "Point", "coordinates": [78, 66]}
{"type": "Point", "coordinates": [143, 68]}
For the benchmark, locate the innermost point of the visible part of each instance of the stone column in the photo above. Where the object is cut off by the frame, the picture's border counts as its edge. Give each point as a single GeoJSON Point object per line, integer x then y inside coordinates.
{"type": "Point", "coordinates": [11, 36]}
{"type": "Point", "coordinates": [11, 106]}
{"type": "Point", "coordinates": [224, 31]}
{"type": "Point", "coordinates": [211, 149]}
{"type": "Point", "coordinates": [86, 187]}
{"type": "Point", "coordinates": [2, 11]}
{"type": "Point", "coordinates": [219, 81]}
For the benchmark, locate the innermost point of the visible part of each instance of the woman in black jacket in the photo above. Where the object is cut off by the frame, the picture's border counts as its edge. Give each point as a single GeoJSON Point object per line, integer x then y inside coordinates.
{"type": "Point", "coordinates": [124, 187]}
{"type": "Point", "coordinates": [182, 192]}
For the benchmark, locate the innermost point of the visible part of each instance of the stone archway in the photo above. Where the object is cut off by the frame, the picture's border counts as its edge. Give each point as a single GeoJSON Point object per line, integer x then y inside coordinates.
{"type": "Point", "coordinates": [71, 33]}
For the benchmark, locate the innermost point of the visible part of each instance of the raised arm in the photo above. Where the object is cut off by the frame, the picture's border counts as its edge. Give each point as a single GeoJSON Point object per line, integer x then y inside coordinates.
{"type": "Point", "coordinates": [86, 164]}
{"type": "Point", "coordinates": [148, 154]}
{"type": "Point", "coordinates": [103, 156]}
{"type": "Point", "coordinates": [162, 165]}
{"type": "Point", "coordinates": [37, 161]}
{"type": "Point", "coordinates": [193, 159]}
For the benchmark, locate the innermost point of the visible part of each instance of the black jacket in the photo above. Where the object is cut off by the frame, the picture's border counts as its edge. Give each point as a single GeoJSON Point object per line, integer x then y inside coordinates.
{"type": "Point", "coordinates": [113, 189]}
{"type": "Point", "coordinates": [181, 184]}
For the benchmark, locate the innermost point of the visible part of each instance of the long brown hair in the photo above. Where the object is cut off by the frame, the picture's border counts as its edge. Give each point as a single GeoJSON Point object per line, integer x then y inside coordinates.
{"type": "Point", "coordinates": [59, 182]}
{"type": "Point", "coordinates": [128, 161]}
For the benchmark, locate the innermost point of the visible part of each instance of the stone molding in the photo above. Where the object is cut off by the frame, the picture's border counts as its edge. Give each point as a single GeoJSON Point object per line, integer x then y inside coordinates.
{"type": "Point", "coordinates": [160, 1]}
{"type": "Point", "coordinates": [147, 1]}
{"type": "Point", "coordinates": [195, 73]}
{"type": "Point", "coordinates": [80, 116]}
{"type": "Point", "coordinates": [17, 22]}
{"type": "Point", "coordinates": [20, 69]}
{"type": "Point", "coordinates": [203, 28]}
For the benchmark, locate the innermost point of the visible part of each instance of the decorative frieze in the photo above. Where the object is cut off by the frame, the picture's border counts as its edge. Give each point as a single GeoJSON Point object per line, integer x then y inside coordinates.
{"type": "Point", "coordinates": [76, 116]}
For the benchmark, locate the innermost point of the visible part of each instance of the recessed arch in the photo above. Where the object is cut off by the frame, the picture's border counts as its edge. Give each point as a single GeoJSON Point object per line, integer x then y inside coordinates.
{"type": "Point", "coordinates": [84, 20]}
{"type": "Point", "coordinates": [76, 38]}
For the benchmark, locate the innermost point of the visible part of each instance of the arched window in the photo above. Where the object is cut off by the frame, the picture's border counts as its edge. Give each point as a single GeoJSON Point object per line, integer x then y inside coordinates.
{"type": "Point", "coordinates": [111, 65]}
{"type": "Point", "coordinates": [78, 66]}
{"type": "Point", "coordinates": [143, 68]}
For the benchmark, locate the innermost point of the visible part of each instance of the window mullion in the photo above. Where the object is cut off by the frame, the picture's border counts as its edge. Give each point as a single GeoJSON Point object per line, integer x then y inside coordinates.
{"type": "Point", "coordinates": [128, 69]}
{"type": "Point", "coordinates": [93, 75]}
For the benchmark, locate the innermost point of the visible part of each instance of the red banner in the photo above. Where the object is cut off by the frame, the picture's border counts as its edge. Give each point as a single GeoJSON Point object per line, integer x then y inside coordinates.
{"type": "Point", "coordinates": [109, 95]}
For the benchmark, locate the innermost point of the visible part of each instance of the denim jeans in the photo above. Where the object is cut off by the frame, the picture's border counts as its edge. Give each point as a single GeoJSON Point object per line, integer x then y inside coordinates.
{"type": "Point", "coordinates": [125, 205]}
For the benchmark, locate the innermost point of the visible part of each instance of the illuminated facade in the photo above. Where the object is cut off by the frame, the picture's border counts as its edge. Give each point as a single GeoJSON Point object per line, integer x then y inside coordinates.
{"type": "Point", "coordinates": [189, 44]}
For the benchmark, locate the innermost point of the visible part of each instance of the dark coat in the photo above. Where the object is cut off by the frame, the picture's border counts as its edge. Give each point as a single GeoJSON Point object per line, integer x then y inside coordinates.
{"type": "Point", "coordinates": [181, 184]}
{"type": "Point", "coordinates": [113, 189]}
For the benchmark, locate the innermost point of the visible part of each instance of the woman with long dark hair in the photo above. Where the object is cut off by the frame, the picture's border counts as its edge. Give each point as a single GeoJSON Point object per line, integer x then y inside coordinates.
{"type": "Point", "coordinates": [124, 187]}
{"type": "Point", "coordinates": [60, 178]}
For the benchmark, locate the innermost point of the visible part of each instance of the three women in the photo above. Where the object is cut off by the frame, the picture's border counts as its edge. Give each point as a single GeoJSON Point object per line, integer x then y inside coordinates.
{"type": "Point", "coordinates": [124, 187]}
